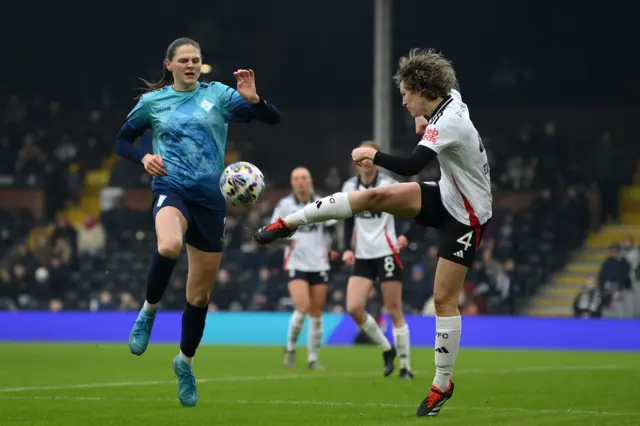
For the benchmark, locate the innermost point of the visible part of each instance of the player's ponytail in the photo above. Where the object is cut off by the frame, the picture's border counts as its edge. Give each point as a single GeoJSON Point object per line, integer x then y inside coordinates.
{"type": "Point", "coordinates": [150, 86]}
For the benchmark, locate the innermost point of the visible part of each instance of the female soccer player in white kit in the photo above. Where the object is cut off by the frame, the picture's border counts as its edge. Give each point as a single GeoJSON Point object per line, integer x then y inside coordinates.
{"type": "Point", "coordinates": [459, 205]}
{"type": "Point", "coordinates": [306, 262]}
{"type": "Point", "coordinates": [372, 248]}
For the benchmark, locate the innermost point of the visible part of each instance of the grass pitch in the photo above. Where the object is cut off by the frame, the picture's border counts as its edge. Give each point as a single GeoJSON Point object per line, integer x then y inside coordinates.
{"type": "Point", "coordinates": [69, 384]}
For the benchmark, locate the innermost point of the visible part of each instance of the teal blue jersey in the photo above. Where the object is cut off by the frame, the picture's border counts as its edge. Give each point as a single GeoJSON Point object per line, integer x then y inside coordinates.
{"type": "Point", "coordinates": [190, 134]}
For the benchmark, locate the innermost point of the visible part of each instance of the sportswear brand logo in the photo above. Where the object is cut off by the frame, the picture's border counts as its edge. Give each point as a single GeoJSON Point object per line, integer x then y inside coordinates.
{"type": "Point", "coordinates": [442, 350]}
{"type": "Point", "coordinates": [318, 204]}
{"type": "Point", "coordinates": [431, 135]}
{"type": "Point", "coordinates": [459, 254]}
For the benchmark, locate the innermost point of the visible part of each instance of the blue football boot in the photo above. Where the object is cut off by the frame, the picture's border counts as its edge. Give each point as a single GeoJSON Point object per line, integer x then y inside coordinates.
{"type": "Point", "coordinates": [141, 332]}
{"type": "Point", "coordinates": [187, 393]}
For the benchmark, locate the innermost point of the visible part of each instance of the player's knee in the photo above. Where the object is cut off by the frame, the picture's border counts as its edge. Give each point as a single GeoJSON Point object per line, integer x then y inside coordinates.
{"type": "Point", "coordinates": [377, 198]}
{"type": "Point", "coordinates": [198, 299]}
{"type": "Point", "coordinates": [302, 307]}
{"type": "Point", "coordinates": [357, 312]}
{"type": "Point", "coordinates": [395, 312]}
{"type": "Point", "coordinates": [445, 303]}
{"type": "Point", "coordinates": [170, 247]}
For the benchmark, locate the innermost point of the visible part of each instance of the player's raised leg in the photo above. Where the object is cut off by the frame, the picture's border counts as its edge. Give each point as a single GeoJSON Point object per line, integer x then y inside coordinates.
{"type": "Point", "coordinates": [318, 298]}
{"type": "Point", "coordinates": [401, 199]}
{"type": "Point", "coordinates": [358, 289]}
{"type": "Point", "coordinates": [170, 228]}
{"type": "Point", "coordinates": [392, 298]}
{"type": "Point", "coordinates": [299, 292]}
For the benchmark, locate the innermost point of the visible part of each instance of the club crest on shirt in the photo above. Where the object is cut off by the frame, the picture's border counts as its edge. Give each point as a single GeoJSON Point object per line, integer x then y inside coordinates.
{"type": "Point", "coordinates": [206, 105]}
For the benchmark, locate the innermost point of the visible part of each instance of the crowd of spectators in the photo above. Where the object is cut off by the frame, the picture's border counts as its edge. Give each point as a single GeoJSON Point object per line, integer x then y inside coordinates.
{"type": "Point", "coordinates": [615, 291]}
{"type": "Point", "coordinates": [101, 263]}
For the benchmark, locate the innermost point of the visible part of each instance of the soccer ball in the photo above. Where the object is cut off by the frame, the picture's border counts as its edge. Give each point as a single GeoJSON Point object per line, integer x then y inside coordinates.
{"type": "Point", "coordinates": [241, 183]}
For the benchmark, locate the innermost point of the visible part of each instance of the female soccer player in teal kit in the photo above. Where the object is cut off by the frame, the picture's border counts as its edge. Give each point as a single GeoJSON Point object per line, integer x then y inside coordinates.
{"type": "Point", "coordinates": [189, 120]}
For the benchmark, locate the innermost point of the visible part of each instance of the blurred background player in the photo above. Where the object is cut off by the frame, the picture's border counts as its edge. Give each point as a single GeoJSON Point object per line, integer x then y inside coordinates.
{"type": "Point", "coordinates": [189, 122]}
{"type": "Point", "coordinates": [372, 235]}
{"type": "Point", "coordinates": [307, 264]}
{"type": "Point", "coordinates": [459, 205]}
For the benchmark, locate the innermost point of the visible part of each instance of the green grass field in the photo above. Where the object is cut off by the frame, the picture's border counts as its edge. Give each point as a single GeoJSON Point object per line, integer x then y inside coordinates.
{"type": "Point", "coordinates": [66, 384]}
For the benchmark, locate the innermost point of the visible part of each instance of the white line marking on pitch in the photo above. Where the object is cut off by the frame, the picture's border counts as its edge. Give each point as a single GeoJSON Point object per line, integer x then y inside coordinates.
{"type": "Point", "coordinates": [317, 403]}
{"type": "Point", "coordinates": [313, 376]}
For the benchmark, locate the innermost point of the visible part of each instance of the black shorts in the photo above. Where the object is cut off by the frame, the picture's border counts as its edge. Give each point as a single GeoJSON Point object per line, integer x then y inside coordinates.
{"type": "Point", "coordinates": [312, 278]}
{"type": "Point", "coordinates": [388, 268]}
{"type": "Point", "coordinates": [205, 227]}
{"type": "Point", "coordinates": [458, 242]}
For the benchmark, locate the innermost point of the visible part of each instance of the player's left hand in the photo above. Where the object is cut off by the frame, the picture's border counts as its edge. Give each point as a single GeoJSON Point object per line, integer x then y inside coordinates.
{"type": "Point", "coordinates": [247, 85]}
{"type": "Point", "coordinates": [402, 243]}
{"type": "Point", "coordinates": [363, 153]}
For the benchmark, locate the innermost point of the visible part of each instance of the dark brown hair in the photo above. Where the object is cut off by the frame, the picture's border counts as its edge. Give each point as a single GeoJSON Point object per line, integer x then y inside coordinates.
{"type": "Point", "coordinates": [167, 77]}
{"type": "Point", "coordinates": [426, 72]}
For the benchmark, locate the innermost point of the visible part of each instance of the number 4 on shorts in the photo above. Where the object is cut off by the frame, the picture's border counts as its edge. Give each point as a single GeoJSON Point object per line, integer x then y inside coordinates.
{"type": "Point", "coordinates": [465, 240]}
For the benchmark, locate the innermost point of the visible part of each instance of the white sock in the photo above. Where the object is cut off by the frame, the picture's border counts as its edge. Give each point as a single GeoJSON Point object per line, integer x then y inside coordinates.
{"type": "Point", "coordinates": [295, 327]}
{"type": "Point", "coordinates": [314, 340]}
{"type": "Point", "coordinates": [403, 345]}
{"type": "Point", "coordinates": [335, 206]}
{"type": "Point", "coordinates": [448, 330]}
{"type": "Point", "coordinates": [149, 307]}
{"type": "Point", "coordinates": [370, 327]}
{"type": "Point", "coordinates": [187, 359]}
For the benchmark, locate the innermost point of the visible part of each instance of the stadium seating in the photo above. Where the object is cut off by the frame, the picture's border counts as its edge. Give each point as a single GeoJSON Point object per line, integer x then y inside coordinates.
{"type": "Point", "coordinates": [523, 248]}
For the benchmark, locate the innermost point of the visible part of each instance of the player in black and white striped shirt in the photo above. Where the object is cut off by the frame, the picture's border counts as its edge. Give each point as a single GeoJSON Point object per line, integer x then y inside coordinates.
{"type": "Point", "coordinates": [372, 248]}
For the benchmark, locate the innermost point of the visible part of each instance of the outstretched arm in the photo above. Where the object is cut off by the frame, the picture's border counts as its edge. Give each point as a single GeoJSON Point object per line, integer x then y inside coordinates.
{"type": "Point", "coordinates": [244, 105]}
{"type": "Point", "coordinates": [405, 166]}
{"type": "Point", "coordinates": [434, 141]}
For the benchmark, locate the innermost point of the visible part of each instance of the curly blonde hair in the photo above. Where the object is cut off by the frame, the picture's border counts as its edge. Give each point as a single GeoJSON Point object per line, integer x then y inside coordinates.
{"type": "Point", "coordinates": [427, 72]}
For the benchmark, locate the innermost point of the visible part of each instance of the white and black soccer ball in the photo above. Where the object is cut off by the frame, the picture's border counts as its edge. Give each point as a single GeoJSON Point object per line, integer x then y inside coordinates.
{"type": "Point", "coordinates": [241, 183]}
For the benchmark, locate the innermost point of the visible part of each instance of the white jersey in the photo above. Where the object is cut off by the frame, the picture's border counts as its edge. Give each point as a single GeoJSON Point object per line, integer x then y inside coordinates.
{"type": "Point", "coordinates": [374, 233]}
{"type": "Point", "coordinates": [465, 184]}
{"type": "Point", "coordinates": [310, 250]}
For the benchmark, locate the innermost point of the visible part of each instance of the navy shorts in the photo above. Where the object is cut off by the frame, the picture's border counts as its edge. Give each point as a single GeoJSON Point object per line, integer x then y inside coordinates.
{"type": "Point", "coordinates": [205, 227]}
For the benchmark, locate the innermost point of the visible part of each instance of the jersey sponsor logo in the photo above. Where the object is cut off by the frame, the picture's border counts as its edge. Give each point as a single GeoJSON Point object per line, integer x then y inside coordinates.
{"type": "Point", "coordinates": [369, 215]}
{"type": "Point", "coordinates": [206, 105]}
{"type": "Point", "coordinates": [159, 110]}
{"type": "Point", "coordinates": [431, 135]}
